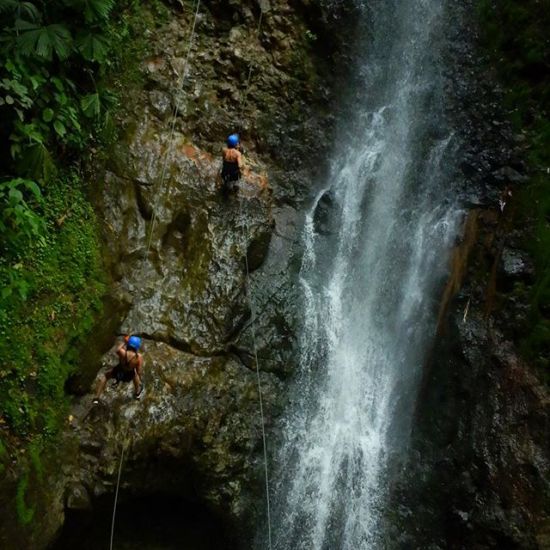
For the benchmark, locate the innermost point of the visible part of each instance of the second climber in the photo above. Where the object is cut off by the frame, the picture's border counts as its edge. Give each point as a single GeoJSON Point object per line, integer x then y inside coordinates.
{"type": "Point", "coordinates": [233, 164]}
{"type": "Point", "coordinates": [129, 368]}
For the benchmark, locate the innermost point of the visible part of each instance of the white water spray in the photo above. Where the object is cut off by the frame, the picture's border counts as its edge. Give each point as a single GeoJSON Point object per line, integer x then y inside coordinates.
{"type": "Point", "coordinates": [370, 285]}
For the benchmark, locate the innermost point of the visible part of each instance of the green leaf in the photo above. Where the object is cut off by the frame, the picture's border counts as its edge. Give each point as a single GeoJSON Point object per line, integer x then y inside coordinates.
{"type": "Point", "coordinates": [93, 47]}
{"type": "Point", "coordinates": [44, 41]}
{"type": "Point", "coordinates": [91, 105]}
{"type": "Point", "coordinates": [8, 5]}
{"type": "Point", "coordinates": [47, 115]}
{"type": "Point", "coordinates": [15, 195]}
{"type": "Point", "coordinates": [58, 83]}
{"type": "Point", "coordinates": [98, 9]}
{"type": "Point", "coordinates": [36, 81]}
{"type": "Point", "coordinates": [59, 128]}
{"type": "Point", "coordinates": [20, 8]}
{"type": "Point", "coordinates": [32, 186]}
{"type": "Point", "coordinates": [28, 133]}
{"type": "Point", "coordinates": [61, 99]}
{"type": "Point", "coordinates": [36, 162]}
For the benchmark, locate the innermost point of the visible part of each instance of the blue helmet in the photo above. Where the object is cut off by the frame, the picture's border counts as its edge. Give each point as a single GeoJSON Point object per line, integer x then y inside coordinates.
{"type": "Point", "coordinates": [134, 342]}
{"type": "Point", "coordinates": [233, 141]}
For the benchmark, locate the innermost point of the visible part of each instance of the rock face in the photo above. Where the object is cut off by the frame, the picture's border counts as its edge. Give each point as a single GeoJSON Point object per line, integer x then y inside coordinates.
{"type": "Point", "coordinates": [178, 249]}
{"type": "Point", "coordinates": [482, 444]}
{"type": "Point", "coordinates": [478, 472]}
{"type": "Point", "coordinates": [178, 253]}
{"type": "Point", "coordinates": [195, 433]}
{"type": "Point", "coordinates": [207, 281]}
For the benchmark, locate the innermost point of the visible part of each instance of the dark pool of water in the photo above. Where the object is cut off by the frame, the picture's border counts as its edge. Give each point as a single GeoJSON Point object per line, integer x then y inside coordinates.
{"type": "Point", "coordinates": [144, 523]}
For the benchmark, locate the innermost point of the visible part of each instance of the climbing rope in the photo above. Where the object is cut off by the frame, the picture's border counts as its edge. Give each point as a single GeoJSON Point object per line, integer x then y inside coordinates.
{"type": "Point", "coordinates": [252, 307]}
{"type": "Point", "coordinates": [250, 67]}
{"type": "Point", "coordinates": [156, 194]}
{"type": "Point", "coordinates": [117, 488]}
{"type": "Point", "coordinates": [172, 128]}
{"type": "Point", "coordinates": [160, 182]}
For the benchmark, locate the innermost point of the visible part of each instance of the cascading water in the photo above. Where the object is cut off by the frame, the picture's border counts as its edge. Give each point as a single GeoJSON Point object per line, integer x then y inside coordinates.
{"type": "Point", "coordinates": [371, 282]}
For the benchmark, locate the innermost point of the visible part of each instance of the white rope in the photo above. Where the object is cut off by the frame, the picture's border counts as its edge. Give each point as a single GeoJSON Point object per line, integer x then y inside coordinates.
{"type": "Point", "coordinates": [116, 494]}
{"type": "Point", "coordinates": [250, 68]}
{"type": "Point", "coordinates": [154, 217]}
{"type": "Point", "coordinates": [252, 307]}
{"type": "Point", "coordinates": [255, 348]}
{"type": "Point", "coordinates": [248, 294]}
{"type": "Point", "coordinates": [172, 128]}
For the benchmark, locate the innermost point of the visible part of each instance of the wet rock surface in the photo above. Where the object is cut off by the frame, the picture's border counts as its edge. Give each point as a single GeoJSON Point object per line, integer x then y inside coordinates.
{"type": "Point", "coordinates": [207, 282]}
{"type": "Point", "coordinates": [478, 471]}
{"type": "Point", "coordinates": [178, 250]}
{"type": "Point", "coordinates": [478, 474]}
{"type": "Point", "coordinates": [194, 434]}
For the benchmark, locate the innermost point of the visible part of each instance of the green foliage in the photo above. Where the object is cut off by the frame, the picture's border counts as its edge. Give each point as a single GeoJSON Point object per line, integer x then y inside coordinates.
{"type": "Point", "coordinates": [63, 285]}
{"type": "Point", "coordinates": [516, 34]}
{"type": "Point", "coordinates": [19, 221]}
{"type": "Point", "coordinates": [43, 41]}
{"type": "Point", "coordinates": [63, 66]}
{"type": "Point", "coordinates": [311, 36]}
{"type": "Point", "coordinates": [52, 55]}
{"type": "Point", "coordinates": [36, 448]}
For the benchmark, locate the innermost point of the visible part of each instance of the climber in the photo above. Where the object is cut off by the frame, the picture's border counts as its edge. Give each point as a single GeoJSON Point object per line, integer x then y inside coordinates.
{"type": "Point", "coordinates": [232, 164]}
{"type": "Point", "coordinates": [130, 367]}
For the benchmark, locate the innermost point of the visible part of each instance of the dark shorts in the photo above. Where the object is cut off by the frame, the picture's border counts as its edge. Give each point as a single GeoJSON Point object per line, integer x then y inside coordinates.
{"type": "Point", "coordinates": [122, 375]}
{"type": "Point", "coordinates": [230, 172]}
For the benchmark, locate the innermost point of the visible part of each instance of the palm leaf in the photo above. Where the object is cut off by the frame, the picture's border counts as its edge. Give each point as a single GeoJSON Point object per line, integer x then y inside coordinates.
{"type": "Point", "coordinates": [93, 9]}
{"type": "Point", "coordinates": [93, 47]}
{"type": "Point", "coordinates": [43, 41]}
{"type": "Point", "coordinates": [7, 6]}
{"type": "Point", "coordinates": [26, 9]}
{"type": "Point", "coordinates": [36, 162]}
{"type": "Point", "coordinates": [98, 9]}
{"type": "Point", "coordinates": [91, 105]}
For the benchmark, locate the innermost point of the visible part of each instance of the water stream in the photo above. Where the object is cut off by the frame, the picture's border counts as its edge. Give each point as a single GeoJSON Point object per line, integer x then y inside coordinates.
{"type": "Point", "coordinates": [376, 241]}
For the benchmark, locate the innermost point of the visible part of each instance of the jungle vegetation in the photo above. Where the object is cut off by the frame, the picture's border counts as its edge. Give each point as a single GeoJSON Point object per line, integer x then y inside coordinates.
{"type": "Point", "coordinates": [62, 69]}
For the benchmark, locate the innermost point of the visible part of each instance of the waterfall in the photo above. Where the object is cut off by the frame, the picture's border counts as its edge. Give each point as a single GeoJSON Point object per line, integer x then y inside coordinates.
{"type": "Point", "coordinates": [376, 244]}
